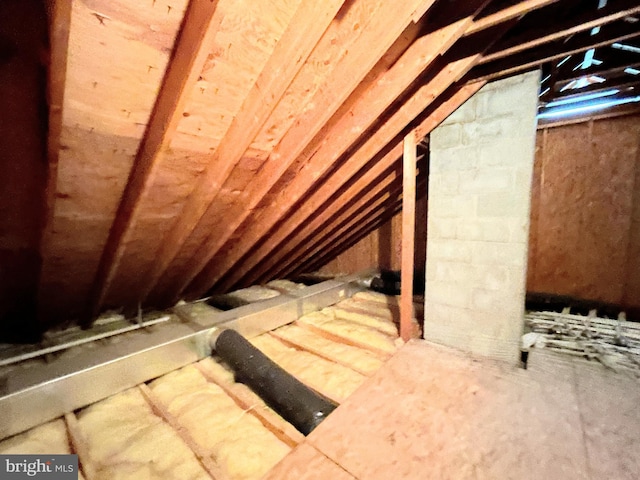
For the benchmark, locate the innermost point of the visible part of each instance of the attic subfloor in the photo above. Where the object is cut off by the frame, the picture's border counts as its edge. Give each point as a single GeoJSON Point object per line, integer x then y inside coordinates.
{"type": "Point", "coordinates": [431, 412]}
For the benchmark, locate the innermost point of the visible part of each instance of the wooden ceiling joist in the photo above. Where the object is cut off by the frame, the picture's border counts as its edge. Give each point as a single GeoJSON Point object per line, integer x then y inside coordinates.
{"type": "Point", "coordinates": [549, 33]}
{"type": "Point", "coordinates": [366, 110]}
{"type": "Point", "coordinates": [354, 62]}
{"type": "Point", "coordinates": [309, 23]}
{"type": "Point", "coordinates": [190, 53]}
{"type": "Point", "coordinates": [59, 27]}
{"type": "Point", "coordinates": [366, 188]}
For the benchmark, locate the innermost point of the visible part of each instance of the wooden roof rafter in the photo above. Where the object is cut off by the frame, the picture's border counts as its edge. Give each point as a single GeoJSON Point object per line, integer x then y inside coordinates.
{"type": "Point", "coordinates": [310, 22]}
{"type": "Point", "coordinates": [362, 230]}
{"type": "Point", "coordinates": [59, 25]}
{"type": "Point", "coordinates": [354, 63]}
{"type": "Point", "coordinates": [225, 263]}
{"type": "Point", "coordinates": [373, 205]}
{"type": "Point", "coordinates": [366, 109]}
{"type": "Point", "coordinates": [532, 58]}
{"type": "Point", "coordinates": [336, 220]}
{"type": "Point", "coordinates": [575, 24]}
{"type": "Point", "coordinates": [190, 53]}
{"type": "Point", "coordinates": [434, 82]}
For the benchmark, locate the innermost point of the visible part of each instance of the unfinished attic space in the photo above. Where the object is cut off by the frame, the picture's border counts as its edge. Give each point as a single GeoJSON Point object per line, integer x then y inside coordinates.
{"type": "Point", "coordinates": [302, 239]}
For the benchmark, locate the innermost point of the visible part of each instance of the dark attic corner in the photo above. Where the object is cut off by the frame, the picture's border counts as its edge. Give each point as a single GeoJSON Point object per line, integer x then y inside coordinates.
{"type": "Point", "coordinates": [23, 164]}
{"type": "Point", "coordinates": [302, 239]}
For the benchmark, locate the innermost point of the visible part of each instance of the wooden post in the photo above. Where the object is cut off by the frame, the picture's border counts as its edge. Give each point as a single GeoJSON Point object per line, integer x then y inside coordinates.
{"type": "Point", "coordinates": [408, 231]}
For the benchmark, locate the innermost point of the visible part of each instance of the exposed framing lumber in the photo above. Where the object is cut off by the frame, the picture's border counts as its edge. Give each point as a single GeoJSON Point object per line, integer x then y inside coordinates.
{"type": "Point", "coordinates": [408, 232]}
{"type": "Point", "coordinates": [432, 86]}
{"type": "Point", "coordinates": [547, 53]}
{"type": "Point", "coordinates": [513, 12]}
{"type": "Point", "coordinates": [379, 195]}
{"type": "Point", "coordinates": [309, 23]}
{"type": "Point", "coordinates": [384, 191]}
{"type": "Point", "coordinates": [390, 202]}
{"type": "Point", "coordinates": [79, 445]}
{"type": "Point", "coordinates": [317, 352]}
{"type": "Point", "coordinates": [59, 28]}
{"type": "Point", "coordinates": [365, 111]}
{"type": "Point", "coordinates": [369, 183]}
{"type": "Point", "coordinates": [614, 11]}
{"type": "Point", "coordinates": [374, 220]}
{"type": "Point", "coordinates": [609, 71]}
{"type": "Point", "coordinates": [341, 339]}
{"type": "Point", "coordinates": [354, 63]}
{"type": "Point", "coordinates": [341, 245]}
{"type": "Point", "coordinates": [622, 84]}
{"type": "Point", "coordinates": [247, 400]}
{"type": "Point", "coordinates": [189, 56]}
{"type": "Point", "coordinates": [364, 227]}
{"type": "Point", "coordinates": [203, 457]}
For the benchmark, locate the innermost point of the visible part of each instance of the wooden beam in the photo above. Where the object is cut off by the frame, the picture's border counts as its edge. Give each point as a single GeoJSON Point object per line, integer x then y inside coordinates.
{"type": "Point", "coordinates": [343, 244]}
{"type": "Point", "coordinates": [354, 62]}
{"type": "Point", "coordinates": [433, 85]}
{"type": "Point", "coordinates": [246, 399]}
{"type": "Point", "coordinates": [201, 454]}
{"type": "Point", "coordinates": [375, 220]}
{"type": "Point", "coordinates": [80, 446]}
{"type": "Point", "coordinates": [382, 193]}
{"type": "Point", "coordinates": [622, 84]}
{"type": "Point", "coordinates": [372, 211]}
{"type": "Point", "coordinates": [408, 232]}
{"type": "Point", "coordinates": [189, 56]}
{"type": "Point", "coordinates": [513, 12]}
{"type": "Point", "coordinates": [533, 38]}
{"type": "Point", "coordinates": [307, 26]}
{"type": "Point", "coordinates": [617, 111]}
{"type": "Point", "coordinates": [59, 28]}
{"type": "Point", "coordinates": [556, 50]}
{"type": "Point", "coordinates": [367, 185]}
{"type": "Point", "coordinates": [607, 71]}
{"type": "Point", "coordinates": [365, 111]}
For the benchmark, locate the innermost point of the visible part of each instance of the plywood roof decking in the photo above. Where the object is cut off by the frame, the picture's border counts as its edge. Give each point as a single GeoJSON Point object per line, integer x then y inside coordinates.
{"type": "Point", "coordinates": [208, 144]}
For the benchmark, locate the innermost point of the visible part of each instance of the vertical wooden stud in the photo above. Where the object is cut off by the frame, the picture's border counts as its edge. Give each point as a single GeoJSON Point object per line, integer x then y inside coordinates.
{"type": "Point", "coordinates": [408, 231]}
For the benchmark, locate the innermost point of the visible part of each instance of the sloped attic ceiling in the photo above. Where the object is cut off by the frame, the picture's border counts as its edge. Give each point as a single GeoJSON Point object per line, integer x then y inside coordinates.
{"type": "Point", "coordinates": [213, 144]}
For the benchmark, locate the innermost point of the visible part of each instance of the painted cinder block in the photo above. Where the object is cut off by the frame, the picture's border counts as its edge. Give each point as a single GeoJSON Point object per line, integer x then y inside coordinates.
{"type": "Point", "coordinates": [483, 180]}
{"type": "Point", "coordinates": [448, 136]}
{"type": "Point", "coordinates": [481, 188]}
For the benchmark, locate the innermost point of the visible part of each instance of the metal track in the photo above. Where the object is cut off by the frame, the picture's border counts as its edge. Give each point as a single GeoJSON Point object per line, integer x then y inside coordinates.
{"type": "Point", "coordinates": [32, 396]}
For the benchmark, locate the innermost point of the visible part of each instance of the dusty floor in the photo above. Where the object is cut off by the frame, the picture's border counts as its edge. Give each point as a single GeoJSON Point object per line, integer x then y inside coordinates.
{"type": "Point", "coordinates": [433, 413]}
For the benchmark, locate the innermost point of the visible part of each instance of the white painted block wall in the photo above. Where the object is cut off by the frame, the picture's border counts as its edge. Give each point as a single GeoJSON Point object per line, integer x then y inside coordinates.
{"type": "Point", "coordinates": [478, 219]}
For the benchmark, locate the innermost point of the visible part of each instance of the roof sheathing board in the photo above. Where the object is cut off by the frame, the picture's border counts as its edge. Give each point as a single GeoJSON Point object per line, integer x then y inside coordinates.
{"type": "Point", "coordinates": [341, 37]}
{"type": "Point", "coordinates": [118, 52]}
{"type": "Point", "coordinates": [218, 94]}
{"type": "Point", "coordinates": [247, 37]}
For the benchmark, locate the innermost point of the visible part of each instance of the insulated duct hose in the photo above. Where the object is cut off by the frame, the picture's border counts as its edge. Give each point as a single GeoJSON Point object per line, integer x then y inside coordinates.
{"type": "Point", "coordinates": [294, 401]}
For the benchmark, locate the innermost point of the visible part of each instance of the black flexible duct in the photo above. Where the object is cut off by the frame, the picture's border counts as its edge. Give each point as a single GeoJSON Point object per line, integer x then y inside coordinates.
{"type": "Point", "coordinates": [294, 401]}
